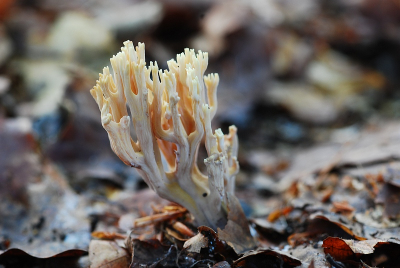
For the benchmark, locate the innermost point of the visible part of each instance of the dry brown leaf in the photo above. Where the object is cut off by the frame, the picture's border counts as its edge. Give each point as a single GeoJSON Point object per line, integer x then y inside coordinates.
{"type": "Point", "coordinates": [107, 235]}
{"type": "Point", "coordinates": [107, 254]}
{"type": "Point", "coordinates": [337, 248]}
{"type": "Point", "coordinates": [322, 225]}
{"type": "Point", "coordinates": [196, 243]}
{"type": "Point", "coordinates": [363, 247]}
{"type": "Point", "coordinates": [274, 215]}
{"type": "Point", "coordinates": [183, 229]}
{"type": "Point", "coordinates": [342, 207]}
{"type": "Point", "coordinates": [169, 213]}
{"type": "Point", "coordinates": [347, 249]}
{"type": "Point", "coordinates": [237, 231]}
{"type": "Point", "coordinates": [342, 227]}
{"type": "Point", "coordinates": [5, 8]}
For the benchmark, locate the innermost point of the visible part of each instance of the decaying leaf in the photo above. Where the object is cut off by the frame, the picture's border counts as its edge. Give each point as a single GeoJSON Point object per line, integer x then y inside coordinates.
{"type": "Point", "coordinates": [276, 214]}
{"type": "Point", "coordinates": [222, 264]}
{"type": "Point", "coordinates": [342, 208]}
{"type": "Point", "coordinates": [237, 230]}
{"type": "Point", "coordinates": [273, 232]}
{"type": "Point", "coordinates": [322, 225]}
{"type": "Point", "coordinates": [208, 247]}
{"type": "Point", "coordinates": [151, 253]}
{"type": "Point", "coordinates": [372, 252]}
{"type": "Point", "coordinates": [107, 254]}
{"type": "Point", "coordinates": [389, 195]}
{"type": "Point", "coordinates": [266, 258]}
{"type": "Point", "coordinates": [196, 243]}
{"type": "Point", "coordinates": [18, 258]}
{"type": "Point", "coordinates": [310, 253]}
{"type": "Point", "coordinates": [344, 249]}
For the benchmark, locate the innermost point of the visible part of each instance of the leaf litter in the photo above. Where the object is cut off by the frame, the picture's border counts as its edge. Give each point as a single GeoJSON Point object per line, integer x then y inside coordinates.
{"type": "Point", "coordinates": [319, 154]}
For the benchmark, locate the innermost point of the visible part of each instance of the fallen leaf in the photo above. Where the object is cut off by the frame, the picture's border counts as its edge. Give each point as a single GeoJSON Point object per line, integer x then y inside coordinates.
{"type": "Point", "coordinates": [320, 225]}
{"type": "Point", "coordinates": [206, 246]}
{"type": "Point", "coordinates": [107, 235]}
{"type": "Point", "coordinates": [151, 253]}
{"type": "Point", "coordinates": [266, 258]}
{"type": "Point", "coordinates": [342, 249]}
{"type": "Point", "coordinates": [389, 195]}
{"type": "Point", "coordinates": [107, 254]}
{"type": "Point", "coordinates": [196, 243]}
{"type": "Point", "coordinates": [15, 257]}
{"type": "Point", "coordinates": [276, 214]}
{"type": "Point", "coordinates": [373, 252]}
{"type": "Point", "coordinates": [309, 253]}
{"type": "Point", "coordinates": [222, 264]}
{"type": "Point", "coordinates": [237, 231]}
{"type": "Point", "coordinates": [273, 233]}
{"type": "Point", "coordinates": [342, 207]}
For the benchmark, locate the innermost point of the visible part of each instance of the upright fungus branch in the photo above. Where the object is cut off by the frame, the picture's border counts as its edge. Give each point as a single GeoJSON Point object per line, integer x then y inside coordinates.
{"type": "Point", "coordinates": [171, 111]}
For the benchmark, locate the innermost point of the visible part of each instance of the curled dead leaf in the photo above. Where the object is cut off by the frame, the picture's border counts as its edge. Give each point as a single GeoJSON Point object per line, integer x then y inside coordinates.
{"type": "Point", "coordinates": [320, 225]}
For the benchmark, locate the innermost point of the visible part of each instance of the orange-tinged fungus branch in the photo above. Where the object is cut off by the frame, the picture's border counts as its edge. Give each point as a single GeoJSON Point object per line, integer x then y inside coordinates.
{"type": "Point", "coordinates": [171, 111]}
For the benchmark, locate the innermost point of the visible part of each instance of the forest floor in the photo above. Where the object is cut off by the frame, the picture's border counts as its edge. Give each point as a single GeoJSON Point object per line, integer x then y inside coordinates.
{"type": "Point", "coordinates": [312, 86]}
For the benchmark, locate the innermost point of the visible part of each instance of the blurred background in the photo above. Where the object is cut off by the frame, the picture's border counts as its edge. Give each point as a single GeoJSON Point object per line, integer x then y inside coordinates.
{"type": "Point", "coordinates": [293, 74]}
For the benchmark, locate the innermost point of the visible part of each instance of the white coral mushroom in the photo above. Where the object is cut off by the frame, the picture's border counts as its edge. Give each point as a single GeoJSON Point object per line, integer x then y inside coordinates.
{"type": "Point", "coordinates": [171, 111]}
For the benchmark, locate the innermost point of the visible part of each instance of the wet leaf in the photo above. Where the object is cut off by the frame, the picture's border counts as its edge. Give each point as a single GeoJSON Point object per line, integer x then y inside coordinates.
{"type": "Point", "coordinates": [151, 253]}
{"type": "Point", "coordinates": [215, 244]}
{"type": "Point", "coordinates": [206, 247]}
